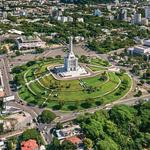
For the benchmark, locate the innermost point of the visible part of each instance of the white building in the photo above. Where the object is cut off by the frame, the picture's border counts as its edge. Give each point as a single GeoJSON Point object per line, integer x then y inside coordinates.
{"type": "Point", "coordinates": [2, 145]}
{"type": "Point", "coordinates": [80, 19]}
{"type": "Point", "coordinates": [64, 19]}
{"type": "Point", "coordinates": [29, 42]}
{"type": "Point", "coordinates": [2, 94]}
{"type": "Point", "coordinates": [141, 50]}
{"type": "Point", "coordinates": [147, 12]}
{"type": "Point", "coordinates": [14, 31]}
{"type": "Point", "coordinates": [70, 19]}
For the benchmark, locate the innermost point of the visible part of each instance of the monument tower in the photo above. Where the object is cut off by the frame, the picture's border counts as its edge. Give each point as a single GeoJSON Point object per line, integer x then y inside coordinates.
{"type": "Point", "coordinates": [71, 68]}
{"type": "Point", "coordinates": [70, 60]}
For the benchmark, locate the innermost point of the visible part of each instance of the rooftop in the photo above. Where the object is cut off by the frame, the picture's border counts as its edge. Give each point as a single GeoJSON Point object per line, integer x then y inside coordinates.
{"type": "Point", "coordinates": [29, 39]}
{"type": "Point", "coordinates": [2, 94]}
{"type": "Point", "coordinates": [29, 145]}
{"type": "Point", "coordinates": [74, 140]}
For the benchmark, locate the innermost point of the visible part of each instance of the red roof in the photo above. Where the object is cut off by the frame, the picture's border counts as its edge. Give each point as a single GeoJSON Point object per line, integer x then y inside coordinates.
{"type": "Point", "coordinates": [2, 94]}
{"type": "Point", "coordinates": [74, 140]}
{"type": "Point", "coordinates": [29, 145]}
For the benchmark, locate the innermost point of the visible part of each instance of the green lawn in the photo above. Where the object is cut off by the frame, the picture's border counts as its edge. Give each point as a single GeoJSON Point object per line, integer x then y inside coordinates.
{"type": "Point", "coordinates": [75, 91]}
{"type": "Point", "coordinates": [97, 68]}
{"type": "Point", "coordinates": [99, 62]}
{"type": "Point", "coordinates": [29, 75]}
{"type": "Point", "coordinates": [36, 88]}
{"type": "Point", "coordinates": [114, 96]}
{"type": "Point", "coordinates": [71, 92]}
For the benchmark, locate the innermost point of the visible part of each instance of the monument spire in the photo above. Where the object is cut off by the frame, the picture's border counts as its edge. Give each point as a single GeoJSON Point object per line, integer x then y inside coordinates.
{"type": "Point", "coordinates": [71, 44]}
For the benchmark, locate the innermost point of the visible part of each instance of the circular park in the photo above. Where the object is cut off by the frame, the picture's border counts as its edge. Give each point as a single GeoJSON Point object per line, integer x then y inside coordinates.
{"type": "Point", "coordinates": [37, 86]}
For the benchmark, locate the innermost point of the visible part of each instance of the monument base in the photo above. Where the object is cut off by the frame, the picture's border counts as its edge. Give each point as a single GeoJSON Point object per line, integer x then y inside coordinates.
{"type": "Point", "coordinates": [60, 70]}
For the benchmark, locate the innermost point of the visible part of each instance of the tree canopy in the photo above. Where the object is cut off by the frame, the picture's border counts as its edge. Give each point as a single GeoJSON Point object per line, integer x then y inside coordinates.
{"type": "Point", "coordinates": [47, 116]}
{"type": "Point", "coordinates": [122, 127]}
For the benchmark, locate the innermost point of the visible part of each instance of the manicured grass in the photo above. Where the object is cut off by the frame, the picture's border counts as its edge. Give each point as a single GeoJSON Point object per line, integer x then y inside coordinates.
{"type": "Point", "coordinates": [29, 75]}
{"type": "Point", "coordinates": [96, 68]}
{"type": "Point", "coordinates": [72, 93]}
{"type": "Point", "coordinates": [36, 88]}
{"type": "Point", "coordinates": [114, 95]}
{"type": "Point", "coordinates": [75, 91]}
{"type": "Point", "coordinates": [46, 80]}
{"type": "Point", "coordinates": [99, 62]}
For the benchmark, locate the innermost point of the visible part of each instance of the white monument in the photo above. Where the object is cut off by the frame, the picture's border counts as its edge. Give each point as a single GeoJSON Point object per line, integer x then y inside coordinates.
{"type": "Point", "coordinates": [70, 60]}
{"type": "Point", "coordinates": [71, 67]}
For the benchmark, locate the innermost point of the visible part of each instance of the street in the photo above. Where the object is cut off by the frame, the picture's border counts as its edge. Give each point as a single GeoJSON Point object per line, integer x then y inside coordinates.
{"type": "Point", "coordinates": [5, 66]}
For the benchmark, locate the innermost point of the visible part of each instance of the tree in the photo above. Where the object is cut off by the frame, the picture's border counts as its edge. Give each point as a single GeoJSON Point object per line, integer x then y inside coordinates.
{"type": "Point", "coordinates": [122, 114]}
{"type": "Point", "coordinates": [11, 144]}
{"type": "Point", "coordinates": [107, 144]}
{"type": "Point", "coordinates": [84, 59]}
{"type": "Point", "coordinates": [146, 75]}
{"type": "Point", "coordinates": [55, 145]}
{"type": "Point", "coordinates": [135, 69]}
{"type": "Point", "coordinates": [123, 127]}
{"type": "Point", "coordinates": [139, 93]}
{"type": "Point", "coordinates": [88, 143]}
{"type": "Point", "coordinates": [46, 116]}
{"type": "Point", "coordinates": [31, 134]}
{"type": "Point", "coordinates": [18, 53]}
{"type": "Point", "coordinates": [12, 18]}
{"type": "Point", "coordinates": [67, 145]}
{"type": "Point", "coordinates": [58, 56]}
{"type": "Point", "coordinates": [31, 63]}
{"type": "Point", "coordinates": [122, 71]}
{"type": "Point", "coordinates": [39, 50]}
{"type": "Point", "coordinates": [59, 125]}
{"type": "Point", "coordinates": [103, 77]}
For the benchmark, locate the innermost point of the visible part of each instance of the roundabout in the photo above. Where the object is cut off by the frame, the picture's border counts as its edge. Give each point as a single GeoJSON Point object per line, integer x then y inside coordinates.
{"type": "Point", "coordinates": [38, 86]}
{"type": "Point", "coordinates": [74, 86]}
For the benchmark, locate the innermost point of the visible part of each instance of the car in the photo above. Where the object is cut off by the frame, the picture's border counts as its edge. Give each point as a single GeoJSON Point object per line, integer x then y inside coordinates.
{"type": "Point", "coordinates": [146, 99]}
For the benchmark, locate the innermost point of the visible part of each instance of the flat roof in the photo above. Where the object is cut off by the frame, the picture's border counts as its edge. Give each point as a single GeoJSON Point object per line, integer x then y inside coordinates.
{"type": "Point", "coordinates": [23, 39]}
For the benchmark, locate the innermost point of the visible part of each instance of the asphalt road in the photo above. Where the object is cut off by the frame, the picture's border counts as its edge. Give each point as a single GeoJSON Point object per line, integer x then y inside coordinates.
{"type": "Point", "coordinates": [5, 65]}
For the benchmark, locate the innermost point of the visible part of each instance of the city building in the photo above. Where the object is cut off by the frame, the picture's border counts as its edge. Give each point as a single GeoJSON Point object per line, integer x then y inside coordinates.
{"type": "Point", "coordinates": [14, 31]}
{"type": "Point", "coordinates": [2, 94]}
{"type": "Point", "coordinates": [4, 15]}
{"type": "Point", "coordinates": [30, 42]}
{"type": "Point", "coordinates": [2, 145]}
{"type": "Point", "coordinates": [97, 13]}
{"type": "Point", "coordinates": [70, 19]}
{"type": "Point", "coordinates": [71, 67]}
{"type": "Point", "coordinates": [29, 145]}
{"type": "Point", "coordinates": [137, 18]}
{"type": "Point", "coordinates": [123, 14]}
{"type": "Point", "coordinates": [80, 19]}
{"type": "Point", "coordinates": [147, 12]}
{"type": "Point", "coordinates": [140, 50]}
{"type": "Point", "coordinates": [64, 19]}
{"type": "Point", "coordinates": [68, 132]}
{"type": "Point", "coordinates": [116, 2]}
